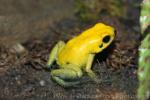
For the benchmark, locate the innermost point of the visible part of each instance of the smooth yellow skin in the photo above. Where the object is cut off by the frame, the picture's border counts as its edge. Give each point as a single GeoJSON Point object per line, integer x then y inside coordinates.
{"type": "Point", "coordinates": [76, 56]}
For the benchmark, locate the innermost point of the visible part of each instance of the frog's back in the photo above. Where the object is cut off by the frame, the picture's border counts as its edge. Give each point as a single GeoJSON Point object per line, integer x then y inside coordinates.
{"type": "Point", "coordinates": [73, 52]}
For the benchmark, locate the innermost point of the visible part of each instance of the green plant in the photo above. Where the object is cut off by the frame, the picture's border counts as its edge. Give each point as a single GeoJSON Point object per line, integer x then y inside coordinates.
{"type": "Point", "coordinates": [144, 53]}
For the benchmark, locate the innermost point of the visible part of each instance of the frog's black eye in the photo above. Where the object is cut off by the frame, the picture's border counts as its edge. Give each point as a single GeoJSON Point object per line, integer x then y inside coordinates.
{"type": "Point", "coordinates": [106, 39]}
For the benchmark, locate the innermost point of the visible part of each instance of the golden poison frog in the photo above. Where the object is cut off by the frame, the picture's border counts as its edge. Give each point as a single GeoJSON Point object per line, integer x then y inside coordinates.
{"type": "Point", "coordinates": [76, 56]}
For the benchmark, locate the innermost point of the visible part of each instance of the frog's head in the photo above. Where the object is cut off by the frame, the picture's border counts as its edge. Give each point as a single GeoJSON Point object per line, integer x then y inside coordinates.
{"type": "Point", "coordinates": [101, 37]}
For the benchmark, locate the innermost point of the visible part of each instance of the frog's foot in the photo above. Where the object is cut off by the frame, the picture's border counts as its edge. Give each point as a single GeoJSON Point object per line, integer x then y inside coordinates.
{"type": "Point", "coordinates": [92, 75]}
{"type": "Point", "coordinates": [61, 76]}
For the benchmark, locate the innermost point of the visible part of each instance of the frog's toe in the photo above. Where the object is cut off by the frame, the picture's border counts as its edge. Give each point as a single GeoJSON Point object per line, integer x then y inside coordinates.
{"type": "Point", "coordinates": [93, 76]}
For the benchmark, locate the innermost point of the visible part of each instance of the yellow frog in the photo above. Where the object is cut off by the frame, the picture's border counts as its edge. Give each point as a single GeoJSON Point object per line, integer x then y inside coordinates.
{"type": "Point", "coordinates": [76, 56]}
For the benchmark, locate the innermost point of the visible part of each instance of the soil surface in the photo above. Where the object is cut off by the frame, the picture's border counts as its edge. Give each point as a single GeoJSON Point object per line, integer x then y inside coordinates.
{"type": "Point", "coordinates": [23, 73]}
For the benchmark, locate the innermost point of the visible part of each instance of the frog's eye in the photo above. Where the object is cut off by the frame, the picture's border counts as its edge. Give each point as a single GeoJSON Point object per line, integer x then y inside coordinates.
{"type": "Point", "coordinates": [106, 39]}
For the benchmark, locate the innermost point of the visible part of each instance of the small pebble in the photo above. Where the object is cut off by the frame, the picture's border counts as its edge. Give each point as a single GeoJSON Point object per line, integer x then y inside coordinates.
{"type": "Point", "coordinates": [42, 83]}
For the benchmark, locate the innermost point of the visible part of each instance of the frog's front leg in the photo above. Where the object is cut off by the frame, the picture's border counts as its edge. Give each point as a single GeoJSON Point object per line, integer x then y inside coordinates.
{"type": "Point", "coordinates": [54, 53]}
{"type": "Point", "coordinates": [88, 68]}
{"type": "Point", "coordinates": [68, 72]}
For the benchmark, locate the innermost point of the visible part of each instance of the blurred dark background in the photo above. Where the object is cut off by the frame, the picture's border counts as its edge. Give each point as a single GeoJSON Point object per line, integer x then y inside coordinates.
{"type": "Point", "coordinates": [24, 19]}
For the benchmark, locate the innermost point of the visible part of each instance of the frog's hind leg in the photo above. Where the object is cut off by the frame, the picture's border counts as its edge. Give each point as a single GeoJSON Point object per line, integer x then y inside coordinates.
{"type": "Point", "coordinates": [54, 53]}
{"type": "Point", "coordinates": [61, 76]}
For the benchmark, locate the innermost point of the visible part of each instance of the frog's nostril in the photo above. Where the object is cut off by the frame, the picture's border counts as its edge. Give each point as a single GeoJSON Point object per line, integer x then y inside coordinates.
{"type": "Point", "coordinates": [101, 46]}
